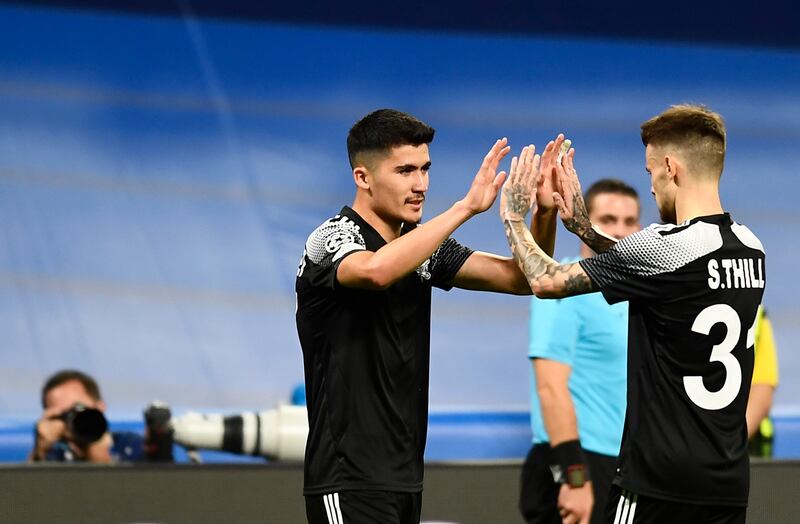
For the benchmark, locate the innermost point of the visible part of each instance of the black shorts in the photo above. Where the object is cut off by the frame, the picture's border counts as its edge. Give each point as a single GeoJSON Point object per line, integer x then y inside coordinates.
{"type": "Point", "coordinates": [538, 498]}
{"type": "Point", "coordinates": [626, 507]}
{"type": "Point", "coordinates": [364, 507]}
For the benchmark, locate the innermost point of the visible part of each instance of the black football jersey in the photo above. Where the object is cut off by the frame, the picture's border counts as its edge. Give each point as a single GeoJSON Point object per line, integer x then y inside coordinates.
{"type": "Point", "coordinates": [694, 291]}
{"type": "Point", "coordinates": [366, 356]}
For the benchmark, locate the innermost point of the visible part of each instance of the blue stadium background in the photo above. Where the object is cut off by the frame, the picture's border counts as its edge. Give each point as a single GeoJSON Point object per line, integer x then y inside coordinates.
{"type": "Point", "coordinates": [159, 175]}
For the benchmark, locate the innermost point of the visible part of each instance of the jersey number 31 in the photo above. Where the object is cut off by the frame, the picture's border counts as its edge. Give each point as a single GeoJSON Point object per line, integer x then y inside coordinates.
{"type": "Point", "coordinates": [708, 318]}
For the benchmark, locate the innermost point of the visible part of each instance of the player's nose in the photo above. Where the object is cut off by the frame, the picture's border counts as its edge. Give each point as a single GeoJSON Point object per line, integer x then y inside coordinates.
{"type": "Point", "coordinates": [420, 183]}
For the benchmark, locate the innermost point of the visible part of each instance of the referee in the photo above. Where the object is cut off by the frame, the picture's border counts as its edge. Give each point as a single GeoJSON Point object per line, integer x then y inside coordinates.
{"type": "Point", "coordinates": [363, 319]}
{"type": "Point", "coordinates": [694, 286]}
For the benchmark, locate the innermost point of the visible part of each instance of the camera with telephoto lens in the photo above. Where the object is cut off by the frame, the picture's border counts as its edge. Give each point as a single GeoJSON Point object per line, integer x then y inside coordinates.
{"type": "Point", "coordinates": [86, 425]}
{"type": "Point", "coordinates": [158, 434]}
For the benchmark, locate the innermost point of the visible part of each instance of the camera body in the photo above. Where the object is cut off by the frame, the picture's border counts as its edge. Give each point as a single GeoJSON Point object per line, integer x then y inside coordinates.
{"type": "Point", "coordinates": [158, 435]}
{"type": "Point", "coordinates": [85, 425]}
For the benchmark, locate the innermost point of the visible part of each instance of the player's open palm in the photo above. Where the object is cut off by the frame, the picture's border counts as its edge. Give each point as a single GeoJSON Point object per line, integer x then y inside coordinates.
{"type": "Point", "coordinates": [575, 504]}
{"type": "Point", "coordinates": [488, 181]}
{"type": "Point", "coordinates": [519, 192]}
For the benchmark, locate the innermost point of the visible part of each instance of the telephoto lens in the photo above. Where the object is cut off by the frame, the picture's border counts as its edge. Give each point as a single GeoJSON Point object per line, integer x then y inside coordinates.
{"type": "Point", "coordinates": [85, 424]}
{"type": "Point", "coordinates": [278, 434]}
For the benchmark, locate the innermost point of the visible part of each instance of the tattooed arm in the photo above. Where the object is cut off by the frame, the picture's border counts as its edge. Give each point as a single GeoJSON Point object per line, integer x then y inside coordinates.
{"type": "Point", "coordinates": [546, 277]}
{"type": "Point", "coordinates": [572, 208]}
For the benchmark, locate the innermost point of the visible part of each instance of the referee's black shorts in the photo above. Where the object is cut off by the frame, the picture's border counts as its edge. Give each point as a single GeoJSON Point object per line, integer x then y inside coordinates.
{"type": "Point", "coordinates": [538, 498]}
{"type": "Point", "coordinates": [364, 507]}
{"type": "Point", "coordinates": [626, 507]}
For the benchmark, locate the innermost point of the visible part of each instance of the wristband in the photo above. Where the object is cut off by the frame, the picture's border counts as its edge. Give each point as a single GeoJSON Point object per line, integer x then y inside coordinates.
{"type": "Point", "coordinates": [568, 464]}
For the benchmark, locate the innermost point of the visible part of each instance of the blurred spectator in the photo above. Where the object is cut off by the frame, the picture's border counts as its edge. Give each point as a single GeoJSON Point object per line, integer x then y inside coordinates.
{"type": "Point", "coordinates": [73, 427]}
{"type": "Point", "coordinates": [765, 380]}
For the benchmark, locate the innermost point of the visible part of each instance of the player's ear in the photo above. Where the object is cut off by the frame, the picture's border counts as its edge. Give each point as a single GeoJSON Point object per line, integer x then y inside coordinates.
{"type": "Point", "coordinates": [361, 177]}
{"type": "Point", "coordinates": [672, 166]}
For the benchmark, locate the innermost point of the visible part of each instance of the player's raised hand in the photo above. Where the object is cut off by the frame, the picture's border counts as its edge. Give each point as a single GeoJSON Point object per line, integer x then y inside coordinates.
{"type": "Point", "coordinates": [487, 182]}
{"type": "Point", "coordinates": [548, 179]}
{"type": "Point", "coordinates": [519, 192]}
{"type": "Point", "coordinates": [568, 196]}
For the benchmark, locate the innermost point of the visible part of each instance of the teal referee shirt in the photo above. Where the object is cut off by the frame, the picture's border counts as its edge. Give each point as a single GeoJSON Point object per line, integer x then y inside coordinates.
{"type": "Point", "coordinates": [591, 336]}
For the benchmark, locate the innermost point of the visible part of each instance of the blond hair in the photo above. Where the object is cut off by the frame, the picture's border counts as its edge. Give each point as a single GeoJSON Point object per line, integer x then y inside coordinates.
{"type": "Point", "coordinates": [696, 131]}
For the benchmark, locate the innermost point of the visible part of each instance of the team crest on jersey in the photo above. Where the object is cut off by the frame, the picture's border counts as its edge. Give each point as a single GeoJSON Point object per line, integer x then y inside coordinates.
{"type": "Point", "coordinates": [337, 236]}
{"type": "Point", "coordinates": [338, 239]}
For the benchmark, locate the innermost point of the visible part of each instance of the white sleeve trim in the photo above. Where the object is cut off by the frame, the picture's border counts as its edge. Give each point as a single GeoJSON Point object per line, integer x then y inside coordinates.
{"type": "Point", "coordinates": [334, 239]}
{"type": "Point", "coordinates": [747, 237]}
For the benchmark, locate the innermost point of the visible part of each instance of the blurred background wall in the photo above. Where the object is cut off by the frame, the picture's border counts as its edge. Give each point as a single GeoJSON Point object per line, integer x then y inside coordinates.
{"type": "Point", "coordinates": [162, 165]}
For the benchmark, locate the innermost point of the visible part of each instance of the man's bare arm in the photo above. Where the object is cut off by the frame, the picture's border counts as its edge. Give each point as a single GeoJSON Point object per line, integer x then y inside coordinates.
{"type": "Point", "coordinates": [547, 278]}
{"type": "Point", "coordinates": [758, 405]}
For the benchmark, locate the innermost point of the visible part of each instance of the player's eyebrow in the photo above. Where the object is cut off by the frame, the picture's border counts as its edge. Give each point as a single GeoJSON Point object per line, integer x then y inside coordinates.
{"type": "Point", "coordinates": [412, 167]}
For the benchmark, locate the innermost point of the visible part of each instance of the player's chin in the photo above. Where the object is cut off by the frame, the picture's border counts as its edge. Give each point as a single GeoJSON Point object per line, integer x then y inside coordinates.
{"type": "Point", "coordinates": [413, 212]}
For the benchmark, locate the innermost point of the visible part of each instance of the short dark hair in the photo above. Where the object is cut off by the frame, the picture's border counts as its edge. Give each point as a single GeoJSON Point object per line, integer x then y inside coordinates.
{"type": "Point", "coordinates": [384, 129]}
{"type": "Point", "coordinates": [68, 375]}
{"type": "Point", "coordinates": [695, 129]}
{"type": "Point", "coordinates": [608, 185]}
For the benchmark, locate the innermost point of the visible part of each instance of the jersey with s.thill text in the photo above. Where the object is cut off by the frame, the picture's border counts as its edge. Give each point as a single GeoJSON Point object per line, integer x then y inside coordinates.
{"type": "Point", "coordinates": [366, 356]}
{"type": "Point", "coordinates": [694, 291]}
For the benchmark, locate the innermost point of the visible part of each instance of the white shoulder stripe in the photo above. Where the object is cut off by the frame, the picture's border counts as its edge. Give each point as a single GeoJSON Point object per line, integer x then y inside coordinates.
{"type": "Point", "coordinates": [347, 248]}
{"type": "Point", "coordinates": [747, 237]}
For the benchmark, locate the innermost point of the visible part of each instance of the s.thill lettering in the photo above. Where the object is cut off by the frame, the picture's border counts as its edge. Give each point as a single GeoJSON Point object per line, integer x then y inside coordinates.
{"type": "Point", "coordinates": [736, 273]}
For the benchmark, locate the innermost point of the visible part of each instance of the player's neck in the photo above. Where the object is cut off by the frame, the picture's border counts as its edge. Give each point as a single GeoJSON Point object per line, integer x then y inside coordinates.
{"type": "Point", "coordinates": [386, 230]}
{"type": "Point", "coordinates": [697, 201]}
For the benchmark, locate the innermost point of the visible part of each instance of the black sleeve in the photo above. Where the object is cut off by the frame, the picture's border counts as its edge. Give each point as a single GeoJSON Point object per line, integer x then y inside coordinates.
{"type": "Point", "coordinates": [325, 249]}
{"type": "Point", "coordinates": [642, 265]}
{"type": "Point", "coordinates": [445, 263]}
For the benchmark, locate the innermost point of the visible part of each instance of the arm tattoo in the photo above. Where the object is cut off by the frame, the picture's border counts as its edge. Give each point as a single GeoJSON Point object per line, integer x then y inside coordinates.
{"type": "Point", "coordinates": [518, 199]}
{"type": "Point", "coordinates": [580, 225]}
{"type": "Point", "coordinates": [578, 284]}
{"type": "Point", "coordinates": [540, 268]}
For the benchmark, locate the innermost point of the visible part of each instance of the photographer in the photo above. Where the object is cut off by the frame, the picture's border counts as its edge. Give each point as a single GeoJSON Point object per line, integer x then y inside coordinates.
{"type": "Point", "coordinates": [73, 428]}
